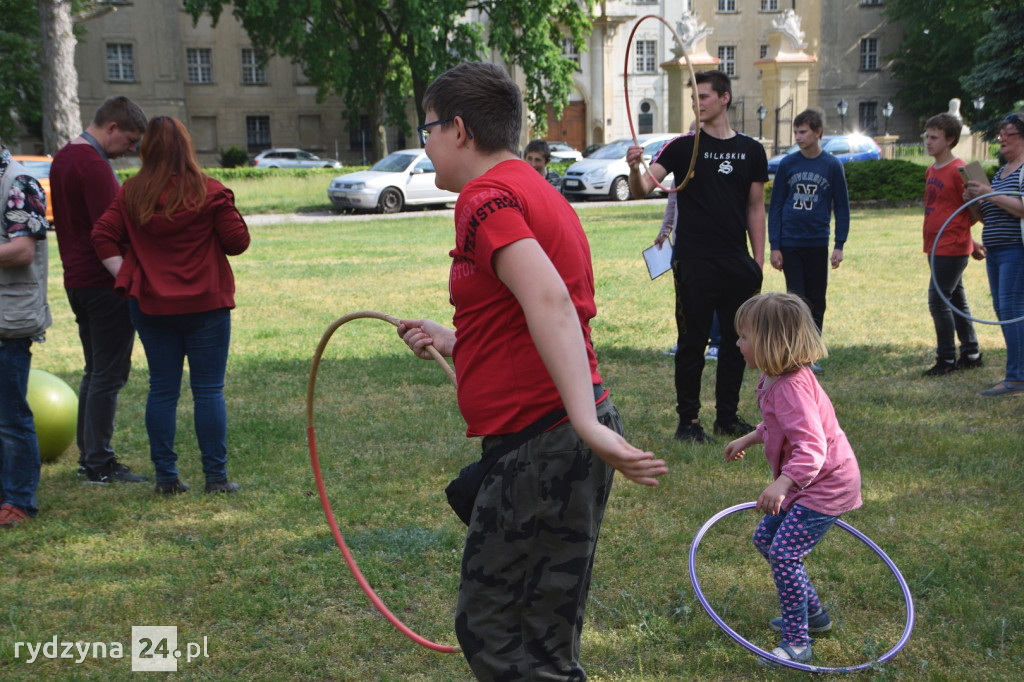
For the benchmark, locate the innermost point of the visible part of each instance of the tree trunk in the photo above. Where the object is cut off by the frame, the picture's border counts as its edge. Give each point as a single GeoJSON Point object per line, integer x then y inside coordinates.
{"type": "Point", "coordinates": [62, 118]}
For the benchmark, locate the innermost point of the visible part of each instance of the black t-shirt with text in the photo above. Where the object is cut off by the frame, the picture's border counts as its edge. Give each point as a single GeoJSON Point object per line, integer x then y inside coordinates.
{"type": "Point", "coordinates": [712, 208]}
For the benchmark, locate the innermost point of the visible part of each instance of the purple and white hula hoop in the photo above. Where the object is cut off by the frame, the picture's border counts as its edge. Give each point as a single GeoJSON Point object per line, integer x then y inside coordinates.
{"type": "Point", "coordinates": [793, 664]}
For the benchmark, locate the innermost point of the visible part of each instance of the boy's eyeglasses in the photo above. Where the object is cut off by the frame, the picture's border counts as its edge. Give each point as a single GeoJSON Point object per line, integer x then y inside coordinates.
{"type": "Point", "coordinates": [424, 130]}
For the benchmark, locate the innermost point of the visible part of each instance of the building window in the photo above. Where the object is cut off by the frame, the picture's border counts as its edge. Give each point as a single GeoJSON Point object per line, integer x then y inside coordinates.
{"type": "Point", "coordinates": [254, 70]}
{"type": "Point", "coordinates": [646, 60]}
{"type": "Point", "coordinates": [726, 5]}
{"type": "Point", "coordinates": [769, 5]}
{"type": "Point", "coordinates": [570, 52]}
{"type": "Point", "coordinates": [727, 59]}
{"type": "Point", "coordinates": [871, 3]}
{"type": "Point", "coordinates": [868, 116]}
{"type": "Point", "coordinates": [120, 63]}
{"type": "Point", "coordinates": [764, 51]}
{"type": "Point", "coordinates": [200, 64]}
{"type": "Point", "coordinates": [257, 133]}
{"type": "Point", "coordinates": [869, 54]}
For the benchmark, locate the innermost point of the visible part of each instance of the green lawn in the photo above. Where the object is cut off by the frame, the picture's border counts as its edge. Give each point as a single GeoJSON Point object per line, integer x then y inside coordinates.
{"type": "Point", "coordinates": [258, 576]}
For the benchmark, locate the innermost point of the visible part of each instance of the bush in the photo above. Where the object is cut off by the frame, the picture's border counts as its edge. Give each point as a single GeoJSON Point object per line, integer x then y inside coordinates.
{"type": "Point", "coordinates": [886, 179]}
{"type": "Point", "coordinates": [882, 180]}
{"type": "Point", "coordinates": [233, 157]}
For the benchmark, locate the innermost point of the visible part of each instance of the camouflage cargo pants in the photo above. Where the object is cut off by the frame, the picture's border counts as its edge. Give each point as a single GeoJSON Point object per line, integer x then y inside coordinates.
{"type": "Point", "coordinates": [529, 555]}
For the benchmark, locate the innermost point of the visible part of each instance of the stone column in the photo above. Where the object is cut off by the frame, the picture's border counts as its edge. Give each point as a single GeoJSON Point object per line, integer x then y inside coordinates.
{"type": "Point", "coordinates": [785, 78]}
{"type": "Point", "coordinates": [680, 115]}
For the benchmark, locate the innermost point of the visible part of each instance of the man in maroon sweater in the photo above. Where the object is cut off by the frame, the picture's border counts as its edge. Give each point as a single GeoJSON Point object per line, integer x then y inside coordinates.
{"type": "Point", "coordinates": [83, 185]}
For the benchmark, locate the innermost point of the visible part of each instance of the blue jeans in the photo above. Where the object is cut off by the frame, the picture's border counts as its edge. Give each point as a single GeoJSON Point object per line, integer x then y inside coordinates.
{"type": "Point", "coordinates": [715, 335]}
{"type": "Point", "coordinates": [203, 338]}
{"type": "Point", "coordinates": [1006, 280]}
{"type": "Point", "coordinates": [784, 539]}
{"type": "Point", "coordinates": [19, 449]}
{"type": "Point", "coordinates": [949, 272]}
{"type": "Point", "coordinates": [107, 336]}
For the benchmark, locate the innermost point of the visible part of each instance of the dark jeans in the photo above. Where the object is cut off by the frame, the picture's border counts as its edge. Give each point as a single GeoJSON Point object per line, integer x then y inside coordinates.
{"type": "Point", "coordinates": [948, 271]}
{"type": "Point", "coordinates": [806, 271]}
{"type": "Point", "coordinates": [203, 338]}
{"type": "Point", "coordinates": [703, 288]}
{"type": "Point", "coordinates": [107, 336]}
{"type": "Point", "coordinates": [19, 449]}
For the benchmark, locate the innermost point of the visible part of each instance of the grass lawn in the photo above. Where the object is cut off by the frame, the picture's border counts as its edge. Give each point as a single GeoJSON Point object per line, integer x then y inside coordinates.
{"type": "Point", "coordinates": [256, 578]}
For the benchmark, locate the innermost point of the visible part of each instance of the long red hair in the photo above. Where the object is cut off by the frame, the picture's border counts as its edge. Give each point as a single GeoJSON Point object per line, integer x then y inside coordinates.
{"type": "Point", "coordinates": [170, 178]}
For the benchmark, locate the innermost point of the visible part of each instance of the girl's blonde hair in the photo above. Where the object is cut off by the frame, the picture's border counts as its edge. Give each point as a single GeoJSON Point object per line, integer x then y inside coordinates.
{"type": "Point", "coordinates": [781, 331]}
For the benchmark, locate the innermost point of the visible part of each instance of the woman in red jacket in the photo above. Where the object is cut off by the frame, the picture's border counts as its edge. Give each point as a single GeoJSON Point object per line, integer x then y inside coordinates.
{"type": "Point", "coordinates": [166, 239]}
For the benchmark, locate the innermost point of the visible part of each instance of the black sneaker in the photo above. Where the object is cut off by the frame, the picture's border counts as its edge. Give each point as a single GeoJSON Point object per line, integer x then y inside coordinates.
{"type": "Point", "coordinates": [113, 472]}
{"type": "Point", "coordinates": [693, 433]}
{"type": "Point", "coordinates": [941, 368]}
{"type": "Point", "coordinates": [224, 486]}
{"type": "Point", "coordinates": [817, 622]}
{"type": "Point", "coordinates": [736, 428]}
{"type": "Point", "coordinates": [968, 362]}
{"type": "Point", "coordinates": [174, 487]}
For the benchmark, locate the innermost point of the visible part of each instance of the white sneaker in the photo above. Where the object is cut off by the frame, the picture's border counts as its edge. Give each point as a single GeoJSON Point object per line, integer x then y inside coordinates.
{"type": "Point", "coordinates": [711, 353]}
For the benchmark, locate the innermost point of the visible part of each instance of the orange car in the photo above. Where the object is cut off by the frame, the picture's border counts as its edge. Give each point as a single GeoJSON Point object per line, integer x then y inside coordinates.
{"type": "Point", "coordinates": [39, 168]}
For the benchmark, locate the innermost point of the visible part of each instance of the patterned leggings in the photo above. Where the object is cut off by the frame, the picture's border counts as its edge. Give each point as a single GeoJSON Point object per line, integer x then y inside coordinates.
{"type": "Point", "coordinates": [784, 539]}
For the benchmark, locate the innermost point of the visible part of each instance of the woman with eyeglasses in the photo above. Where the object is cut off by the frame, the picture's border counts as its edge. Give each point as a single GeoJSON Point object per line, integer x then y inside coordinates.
{"type": "Point", "coordinates": [1003, 236]}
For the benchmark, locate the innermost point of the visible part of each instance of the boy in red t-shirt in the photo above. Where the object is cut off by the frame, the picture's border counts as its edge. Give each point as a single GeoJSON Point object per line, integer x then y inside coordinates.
{"type": "Point", "coordinates": [522, 286]}
{"type": "Point", "coordinates": [944, 189]}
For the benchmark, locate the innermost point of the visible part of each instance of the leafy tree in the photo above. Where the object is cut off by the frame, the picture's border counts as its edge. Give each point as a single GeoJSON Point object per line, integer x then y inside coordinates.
{"type": "Point", "coordinates": [21, 92]}
{"type": "Point", "coordinates": [998, 64]}
{"type": "Point", "coordinates": [939, 39]}
{"type": "Point", "coordinates": [376, 54]}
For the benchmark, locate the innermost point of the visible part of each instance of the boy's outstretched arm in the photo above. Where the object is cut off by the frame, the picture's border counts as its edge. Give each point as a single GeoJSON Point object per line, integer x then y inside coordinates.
{"type": "Point", "coordinates": [555, 329]}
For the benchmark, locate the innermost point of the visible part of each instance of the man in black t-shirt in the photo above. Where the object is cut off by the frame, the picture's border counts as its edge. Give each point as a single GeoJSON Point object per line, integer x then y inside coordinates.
{"type": "Point", "coordinates": [719, 210]}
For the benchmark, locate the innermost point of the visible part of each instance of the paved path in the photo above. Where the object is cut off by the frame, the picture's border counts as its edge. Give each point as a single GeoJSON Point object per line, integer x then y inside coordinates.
{"type": "Point", "coordinates": [327, 216]}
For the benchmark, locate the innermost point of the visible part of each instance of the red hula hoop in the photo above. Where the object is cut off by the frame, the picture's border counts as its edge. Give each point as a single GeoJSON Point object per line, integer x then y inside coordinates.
{"type": "Point", "coordinates": [322, 490]}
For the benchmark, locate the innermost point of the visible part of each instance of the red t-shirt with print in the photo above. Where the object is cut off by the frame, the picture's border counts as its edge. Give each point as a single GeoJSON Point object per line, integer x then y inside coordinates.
{"type": "Point", "coordinates": [503, 384]}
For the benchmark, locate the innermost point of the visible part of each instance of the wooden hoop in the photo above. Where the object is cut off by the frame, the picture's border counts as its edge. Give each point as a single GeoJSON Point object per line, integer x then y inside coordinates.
{"type": "Point", "coordinates": [696, 108]}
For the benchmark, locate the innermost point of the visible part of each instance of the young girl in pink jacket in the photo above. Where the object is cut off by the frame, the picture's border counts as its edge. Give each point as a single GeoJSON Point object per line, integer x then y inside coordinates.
{"type": "Point", "coordinates": [816, 477]}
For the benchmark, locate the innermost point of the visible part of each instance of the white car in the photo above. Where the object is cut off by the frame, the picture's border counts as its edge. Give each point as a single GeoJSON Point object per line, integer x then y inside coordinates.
{"type": "Point", "coordinates": [292, 158]}
{"type": "Point", "coordinates": [401, 179]}
{"type": "Point", "coordinates": [560, 151]}
{"type": "Point", "coordinates": [605, 173]}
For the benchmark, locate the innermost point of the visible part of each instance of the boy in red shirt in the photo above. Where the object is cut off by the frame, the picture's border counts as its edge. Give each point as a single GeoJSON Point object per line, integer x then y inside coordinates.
{"type": "Point", "coordinates": [522, 286]}
{"type": "Point", "coordinates": [944, 189]}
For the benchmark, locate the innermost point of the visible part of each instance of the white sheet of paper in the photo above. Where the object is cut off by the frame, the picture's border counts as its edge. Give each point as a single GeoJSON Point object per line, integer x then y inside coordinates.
{"type": "Point", "coordinates": [658, 260]}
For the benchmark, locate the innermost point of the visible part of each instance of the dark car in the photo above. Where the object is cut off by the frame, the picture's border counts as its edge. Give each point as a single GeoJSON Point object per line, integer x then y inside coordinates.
{"type": "Point", "coordinates": [846, 147]}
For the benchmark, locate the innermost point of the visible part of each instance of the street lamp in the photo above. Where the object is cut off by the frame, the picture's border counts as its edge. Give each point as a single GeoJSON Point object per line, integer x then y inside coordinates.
{"type": "Point", "coordinates": [979, 104]}
{"type": "Point", "coordinates": [887, 112]}
{"type": "Point", "coordinates": [841, 108]}
{"type": "Point", "coordinates": [761, 113]}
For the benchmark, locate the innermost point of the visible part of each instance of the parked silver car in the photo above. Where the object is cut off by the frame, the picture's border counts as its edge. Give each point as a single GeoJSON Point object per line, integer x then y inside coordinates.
{"type": "Point", "coordinates": [292, 158]}
{"type": "Point", "coordinates": [605, 173]}
{"type": "Point", "coordinates": [560, 151]}
{"type": "Point", "coordinates": [404, 178]}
